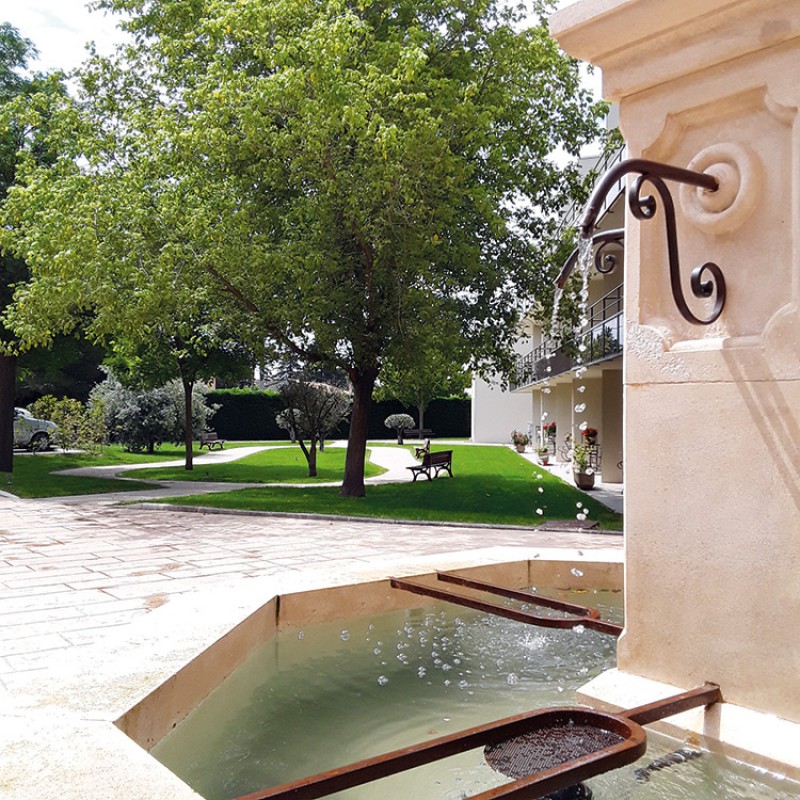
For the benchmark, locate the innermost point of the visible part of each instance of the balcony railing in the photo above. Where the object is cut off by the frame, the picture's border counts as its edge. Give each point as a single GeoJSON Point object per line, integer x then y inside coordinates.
{"type": "Point", "coordinates": [575, 210]}
{"type": "Point", "coordinates": [599, 340]}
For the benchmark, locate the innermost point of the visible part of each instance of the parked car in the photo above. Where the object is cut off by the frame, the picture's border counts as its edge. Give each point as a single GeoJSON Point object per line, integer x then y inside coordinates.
{"type": "Point", "coordinates": [30, 432]}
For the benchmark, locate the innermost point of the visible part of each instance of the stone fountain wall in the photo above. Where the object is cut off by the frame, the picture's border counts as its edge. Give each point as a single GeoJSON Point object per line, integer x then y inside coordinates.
{"type": "Point", "coordinates": [712, 413]}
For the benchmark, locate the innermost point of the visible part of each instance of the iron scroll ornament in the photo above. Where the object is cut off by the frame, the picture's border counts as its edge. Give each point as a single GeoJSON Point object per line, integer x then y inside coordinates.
{"type": "Point", "coordinates": [644, 207]}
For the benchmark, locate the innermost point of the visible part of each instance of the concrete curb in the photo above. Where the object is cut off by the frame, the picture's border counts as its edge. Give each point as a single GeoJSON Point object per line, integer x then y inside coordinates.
{"type": "Point", "coordinates": [347, 518]}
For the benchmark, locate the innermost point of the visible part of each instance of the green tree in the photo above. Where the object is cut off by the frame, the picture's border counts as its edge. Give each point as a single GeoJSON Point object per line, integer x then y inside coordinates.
{"type": "Point", "coordinates": [321, 172]}
{"type": "Point", "coordinates": [16, 89]}
{"type": "Point", "coordinates": [434, 366]}
{"type": "Point", "coordinates": [142, 419]}
{"type": "Point", "coordinates": [192, 349]}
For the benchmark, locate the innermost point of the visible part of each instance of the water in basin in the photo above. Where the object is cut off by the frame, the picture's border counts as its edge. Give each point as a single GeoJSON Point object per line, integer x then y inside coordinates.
{"type": "Point", "coordinates": [319, 698]}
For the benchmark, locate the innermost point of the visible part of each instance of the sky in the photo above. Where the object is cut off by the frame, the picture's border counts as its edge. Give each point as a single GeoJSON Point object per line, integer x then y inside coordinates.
{"type": "Point", "coordinates": [60, 29]}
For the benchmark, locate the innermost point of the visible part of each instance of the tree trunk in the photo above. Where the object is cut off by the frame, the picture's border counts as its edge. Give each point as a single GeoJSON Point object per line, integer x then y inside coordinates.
{"type": "Point", "coordinates": [353, 483]}
{"type": "Point", "coordinates": [8, 390]}
{"type": "Point", "coordinates": [421, 413]}
{"type": "Point", "coordinates": [312, 460]}
{"type": "Point", "coordinates": [188, 437]}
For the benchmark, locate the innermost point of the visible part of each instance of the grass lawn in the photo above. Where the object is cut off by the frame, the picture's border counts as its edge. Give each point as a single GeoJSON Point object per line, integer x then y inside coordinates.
{"type": "Point", "coordinates": [283, 465]}
{"type": "Point", "coordinates": [492, 485]}
{"type": "Point", "coordinates": [33, 474]}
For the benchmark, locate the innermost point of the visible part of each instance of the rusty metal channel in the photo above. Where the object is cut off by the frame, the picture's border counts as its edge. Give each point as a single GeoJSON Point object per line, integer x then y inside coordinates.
{"type": "Point", "coordinates": [611, 741]}
{"type": "Point", "coordinates": [630, 744]}
{"type": "Point", "coordinates": [588, 617]}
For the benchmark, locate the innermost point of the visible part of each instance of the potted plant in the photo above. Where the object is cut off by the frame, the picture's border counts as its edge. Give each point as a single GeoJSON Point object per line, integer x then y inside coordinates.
{"type": "Point", "coordinates": [582, 471]}
{"type": "Point", "coordinates": [589, 435]}
{"type": "Point", "coordinates": [543, 455]}
{"type": "Point", "coordinates": [550, 431]}
{"type": "Point", "coordinates": [519, 440]}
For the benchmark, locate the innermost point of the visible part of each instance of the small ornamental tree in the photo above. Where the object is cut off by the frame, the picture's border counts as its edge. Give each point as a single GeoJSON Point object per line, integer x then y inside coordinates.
{"type": "Point", "coordinates": [80, 427]}
{"type": "Point", "coordinates": [312, 411]}
{"type": "Point", "coordinates": [399, 423]}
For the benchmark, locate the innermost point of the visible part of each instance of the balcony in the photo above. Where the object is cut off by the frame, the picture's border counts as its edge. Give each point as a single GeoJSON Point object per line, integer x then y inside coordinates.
{"type": "Point", "coordinates": [599, 340]}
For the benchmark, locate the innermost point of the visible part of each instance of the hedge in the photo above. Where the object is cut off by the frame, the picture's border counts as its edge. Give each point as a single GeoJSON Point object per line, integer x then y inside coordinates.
{"type": "Point", "coordinates": [245, 414]}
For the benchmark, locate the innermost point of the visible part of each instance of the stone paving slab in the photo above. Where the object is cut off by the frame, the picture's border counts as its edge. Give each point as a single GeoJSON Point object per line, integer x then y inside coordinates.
{"type": "Point", "coordinates": [69, 572]}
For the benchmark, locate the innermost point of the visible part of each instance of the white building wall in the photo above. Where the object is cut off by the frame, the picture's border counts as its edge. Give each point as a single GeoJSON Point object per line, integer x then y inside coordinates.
{"type": "Point", "coordinates": [496, 413]}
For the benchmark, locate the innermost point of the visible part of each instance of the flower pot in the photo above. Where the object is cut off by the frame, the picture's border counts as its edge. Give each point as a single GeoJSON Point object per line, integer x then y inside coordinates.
{"type": "Point", "coordinates": [543, 459]}
{"type": "Point", "coordinates": [583, 480]}
{"type": "Point", "coordinates": [520, 448]}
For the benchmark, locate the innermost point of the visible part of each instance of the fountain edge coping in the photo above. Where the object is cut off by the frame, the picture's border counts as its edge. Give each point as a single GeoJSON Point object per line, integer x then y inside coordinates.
{"type": "Point", "coordinates": [760, 740]}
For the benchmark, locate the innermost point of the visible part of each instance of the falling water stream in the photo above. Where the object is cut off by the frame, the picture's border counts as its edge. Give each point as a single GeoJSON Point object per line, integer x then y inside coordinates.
{"type": "Point", "coordinates": [335, 693]}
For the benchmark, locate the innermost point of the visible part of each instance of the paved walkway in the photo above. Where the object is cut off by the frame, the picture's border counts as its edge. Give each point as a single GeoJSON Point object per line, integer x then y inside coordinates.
{"type": "Point", "coordinates": [73, 568]}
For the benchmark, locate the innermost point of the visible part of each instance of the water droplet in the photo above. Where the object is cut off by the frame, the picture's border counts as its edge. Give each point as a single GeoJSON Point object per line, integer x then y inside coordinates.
{"type": "Point", "coordinates": [541, 489]}
{"type": "Point", "coordinates": [581, 517]}
{"type": "Point", "coordinates": [370, 627]}
{"type": "Point", "coordinates": [559, 688]}
{"type": "Point", "coordinates": [580, 408]}
{"type": "Point", "coordinates": [539, 476]}
{"type": "Point", "coordinates": [549, 369]}
{"type": "Point", "coordinates": [447, 682]}
{"type": "Point", "coordinates": [581, 348]}
{"type": "Point", "coordinates": [382, 680]}
{"type": "Point", "coordinates": [544, 415]}
{"type": "Point", "coordinates": [512, 679]}
{"type": "Point", "coordinates": [579, 628]}
{"type": "Point", "coordinates": [578, 505]}
{"type": "Point", "coordinates": [300, 635]}
{"type": "Point", "coordinates": [546, 390]}
{"type": "Point", "coordinates": [580, 372]}
{"type": "Point", "coordinates": [583, 426]}
{"type": "Point", "coordinates": [576, 572]}
{"type": "Point", "coordinates": [581, 389]}
{"type": "Point", "coordinates": [421, 672]}
{"type": "Point", "coordinates": [344, 635]}
{"type": "Point", "coordinates": [463, 684]}
{"type": "Point", "coordinates": [584, 321]}
{"type": "Point", "coordinates": [377, 651]}
{"type": "Point", "coordinates": [447, 667]}
{"type": "Point", "coordinates": [539, 511]}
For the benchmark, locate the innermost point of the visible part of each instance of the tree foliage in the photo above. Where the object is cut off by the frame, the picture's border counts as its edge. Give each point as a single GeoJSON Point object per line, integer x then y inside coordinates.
{"type": "Point", "coordinates": [143, 419]}
{"type": "Point", "coordinates": [435, 366]}
{"type": "Point", "coordinates": [19, 134]}
{"type": "Point", "coordinates": [315, 173]}
{"type": "Point", "coordinates": [80, 426]}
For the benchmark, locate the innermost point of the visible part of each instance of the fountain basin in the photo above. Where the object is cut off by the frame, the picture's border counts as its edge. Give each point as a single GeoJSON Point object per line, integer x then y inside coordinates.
{"type": "Point", "coordinates": [86, 730]}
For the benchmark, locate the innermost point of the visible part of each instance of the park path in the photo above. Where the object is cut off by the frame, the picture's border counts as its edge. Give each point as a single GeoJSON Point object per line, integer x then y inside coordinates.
{"type": "Point", "coordinates": [393, 459]}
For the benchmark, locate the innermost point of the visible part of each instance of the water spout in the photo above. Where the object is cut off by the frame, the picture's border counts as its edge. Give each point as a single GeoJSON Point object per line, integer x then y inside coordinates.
{"type": "Point", "coordinates": [644, 207]}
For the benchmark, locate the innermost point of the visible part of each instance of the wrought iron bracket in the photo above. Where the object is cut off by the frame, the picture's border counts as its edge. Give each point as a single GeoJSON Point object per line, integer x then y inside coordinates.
{"type": "Point", "coordinates": [706, 279]}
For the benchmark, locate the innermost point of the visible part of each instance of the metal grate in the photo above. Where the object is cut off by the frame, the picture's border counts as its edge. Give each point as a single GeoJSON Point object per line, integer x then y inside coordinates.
{"type": "Point", "coordinates": [546, 748]}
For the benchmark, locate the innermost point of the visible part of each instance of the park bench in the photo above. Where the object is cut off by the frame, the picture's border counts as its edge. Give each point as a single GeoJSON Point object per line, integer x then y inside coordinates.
{"type": "Point", "coordinates": [417, 433]}
{"type": "Point", "coordinates": [210, 440]}
{"type": "Point", "coordinates": [433, 462]}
